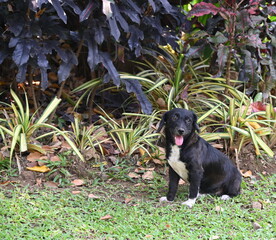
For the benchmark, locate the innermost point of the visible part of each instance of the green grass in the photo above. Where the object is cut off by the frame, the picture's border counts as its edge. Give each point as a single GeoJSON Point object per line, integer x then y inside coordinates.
{"type": "Point", "coordinates": [58, 214]}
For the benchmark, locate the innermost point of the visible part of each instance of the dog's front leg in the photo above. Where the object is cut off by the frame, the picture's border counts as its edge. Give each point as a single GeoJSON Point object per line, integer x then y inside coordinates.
{"type": "Point", "coordinates": [173, 185]}
{"type": "Point", "coordinates": [195, 179]}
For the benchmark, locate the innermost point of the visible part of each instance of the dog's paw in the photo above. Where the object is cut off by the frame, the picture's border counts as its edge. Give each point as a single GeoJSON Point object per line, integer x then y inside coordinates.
{"type": "Point", "coordinates": [225, 197]}
{"type": "Point", "coordinates": [190, 202]}
{"type": "Point", "coordinates": [164, 199]}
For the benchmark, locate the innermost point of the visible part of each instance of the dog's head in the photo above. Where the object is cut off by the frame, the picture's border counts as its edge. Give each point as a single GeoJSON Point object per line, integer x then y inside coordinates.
{"type": "Point", "coordinates": [180, 124]}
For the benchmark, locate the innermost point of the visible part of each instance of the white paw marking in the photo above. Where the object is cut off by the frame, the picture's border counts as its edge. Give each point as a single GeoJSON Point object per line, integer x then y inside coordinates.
{"type": "Point", "coordinates": [164, 199]}
{"type": "Point", "coordinates": [225, 197]}
{"type": "Point", "coordinates": [190, 202]}
{"type": "Point", "coordinates": [200, 195]}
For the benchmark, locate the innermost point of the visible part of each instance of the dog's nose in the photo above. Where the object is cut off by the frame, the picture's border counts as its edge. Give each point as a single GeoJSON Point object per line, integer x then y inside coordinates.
{"type": "Point", "coordinates": [181, 131]}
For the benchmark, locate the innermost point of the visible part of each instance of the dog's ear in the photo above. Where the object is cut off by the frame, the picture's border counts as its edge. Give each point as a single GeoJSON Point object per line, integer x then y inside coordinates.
{"type": "Point", "coordinates": [162, 122]}
{"type": "Point", "coordinates": [195, 123]}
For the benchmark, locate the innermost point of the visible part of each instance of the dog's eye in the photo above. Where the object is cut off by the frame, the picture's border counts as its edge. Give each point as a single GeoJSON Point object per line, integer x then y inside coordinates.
{"type": "Point", "coordinates": [175, 117]}
{"type": "Point", "coordinates": [188, 120]}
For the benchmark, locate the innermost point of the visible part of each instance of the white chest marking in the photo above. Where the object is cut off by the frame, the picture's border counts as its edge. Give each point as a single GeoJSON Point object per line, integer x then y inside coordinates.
{"type": "Point", "coordinates": [178, 166]}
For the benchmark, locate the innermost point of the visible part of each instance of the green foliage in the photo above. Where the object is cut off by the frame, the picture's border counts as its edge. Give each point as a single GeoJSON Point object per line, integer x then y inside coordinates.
{"type": "Point", "coordinates": [86, 137]}
{"type": "Point", "coordinates": [242, 33]}
{"type": "Point", "coordinates": [131, 135]}
{"type": "Point", "coordinates": [108, 33]}
{"type": "Point", "coordinates": [20, 129]}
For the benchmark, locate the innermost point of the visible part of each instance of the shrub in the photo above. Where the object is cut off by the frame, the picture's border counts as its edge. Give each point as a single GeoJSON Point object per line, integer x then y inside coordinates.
{"type": "Point", "coordinates": [48, 35]}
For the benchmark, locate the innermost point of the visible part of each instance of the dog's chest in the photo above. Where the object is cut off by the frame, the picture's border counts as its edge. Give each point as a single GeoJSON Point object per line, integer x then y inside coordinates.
{"type": "Point", "coordinates": [178, 166]}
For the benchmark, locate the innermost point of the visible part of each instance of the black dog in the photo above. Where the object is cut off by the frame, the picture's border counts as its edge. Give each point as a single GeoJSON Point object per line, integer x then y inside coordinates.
{"type": "Point", "coordinates": [193, 159]}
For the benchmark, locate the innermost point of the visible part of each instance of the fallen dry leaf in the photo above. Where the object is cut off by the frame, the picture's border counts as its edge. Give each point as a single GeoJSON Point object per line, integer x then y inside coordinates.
{"type": "Point", "coordinates": [214, 237]}
{"type": "Point", "coordinates": [219, 209]}
{"type": "Point", "coordinates": [51, 184]}
{"type": "Point", "coordinates": [246, 174]}
{"type": "Point", "coordinates": [91, 195]}
{"type": "Point", "coordinates": [106, 217]}
{"type": "Point", "coordinates": [133, 175]}
{"type": "Point", "coordinates": [148, 175]}
{"type": "Point", "coordinates": [76, 192]}
{"type": "Point", "coordinates": [42, 169]}
{"type": "Point", "coordinates": [161, 102]}
{"type": "Point", "coordinates": [34, 156]}
{"type": "Point", "coordinates": [104, 163]}
{"type": "Point", "coordinates": [7, 182]}
{"type": "Point", "coordinates": [181, 181]}
{"type": "Point", "coordinates": [157, 161]}
{"type": "Point", "coordinates": [38, 182]}
{"type": "Point", "coordinates": [148, 236]}
{"type": "Point", "coordinates": [65, 145]}
{"type": "Point", "coordinates": [142, 151]}
{"type": "Point", "coordinates": [43, 158]}
{"type": "Point", "coordinates": [256, 226]}
{"type": "Point", "coordinates": [128, 199]}
{"type": "Point", "coordinates": [55, 159]}
{"type": "Point", "coordinates": [257, 205]}
{"type": "Point", "coordinates": [77, 182]}
{"type": "Point", "coordinates": [50, 149]}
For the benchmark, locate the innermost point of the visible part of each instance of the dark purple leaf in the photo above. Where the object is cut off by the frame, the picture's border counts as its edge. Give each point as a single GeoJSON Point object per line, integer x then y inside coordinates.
{"type": "Point", "coordinates": [222, 55]}
{"type": "Point", "coordinates": [87, 11]}
{"type": "Point", "coordinates": [153, 23]}
{"type": "Point", "coordinates": [3, 55]}
{"type": "Point", "coordinates": [272, 69]}
{"type": "Point", "coordinates": [271, 10]}
{"type": "Point", "coordinates": [167, 6]}
{"type": "Point", "coordinates": [65, 67]}
{"type": "Point", "coordinates": [250, 66]}
{"type": "Point", "coordinates": [135, 17]}
{"type": "Point", "coordinates": [134, 86]}
{"type": "Point", "coordinates": [218, 38]}
{"type": "Point", "coordinates": [16, 23]}
{"type": "Point", "coordinates": [108, 64]}
{"type": "Point", "coordinates": [203, 8]}
{"type": "Point", "coordinates": [119, 18]}
{"type": "Point", "coordinates": [42, 61]}
{"type": "Point", "coordinates": [196, 51]}
{"type": "Point", "coordinates": [133, 5]}
{"type": "Point", "coordinates": [73, 6]}
{"type": "Point", "coordinates": [21, 53]}
{"type": "Point", "coordinates": [152, 3]}
{"type": "Point", "coordinates": [254, 2]}
{"type": "Point", "coordinates": [99, 33]}
{"type": "Point", "coordinates": [114, 30]}
{"type": "Point", "coordinates": [44, 78]}
{"type": "Point", "coordinates": [242, 75]}
{"type": "Point", "coordinates": [244, 21]}
{"type": "Point", "coordinates": [134, 40]}
{"type": "Point", "coordinates": [39, 3]}
{"type": "Point", "coordinates": [255, 41]}
{"type": "Point", "coordinates": [13, 42]}
{"type": "Point", "coordinates": [59, 10]}
{"type": "Point", "coordinates": [93, 53]}
{"type": "Point", "coordinates": [21, 74]}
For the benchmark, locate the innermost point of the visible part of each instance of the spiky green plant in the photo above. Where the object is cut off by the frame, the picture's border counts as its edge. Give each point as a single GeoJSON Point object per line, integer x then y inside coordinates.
{"type": "Point", "coordinates": [21, 126]}
{"type": "Point", "coordinates": [132, 134]}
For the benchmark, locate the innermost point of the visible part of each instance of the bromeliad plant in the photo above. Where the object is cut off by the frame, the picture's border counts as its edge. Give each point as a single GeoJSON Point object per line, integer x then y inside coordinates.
{"type": "Point", "coordinates": [86, 137]}
{"type": "Point", "coordinates": [132, 135]}
{"type": "Point", "coordinates": [232, 117]}
{"type": "Point", "coordinates": [22, 126]}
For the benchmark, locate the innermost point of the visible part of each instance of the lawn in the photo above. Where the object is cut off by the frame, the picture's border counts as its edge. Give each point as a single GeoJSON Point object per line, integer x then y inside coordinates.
{"type": "Point", "coordinates": [124, 210]}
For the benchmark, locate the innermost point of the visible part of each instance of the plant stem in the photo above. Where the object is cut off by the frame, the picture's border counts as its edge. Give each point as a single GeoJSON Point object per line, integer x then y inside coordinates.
{"type": "Point", "coordinates": [30, 80]}
{"type": "Point", "coordinates": [58, 96]}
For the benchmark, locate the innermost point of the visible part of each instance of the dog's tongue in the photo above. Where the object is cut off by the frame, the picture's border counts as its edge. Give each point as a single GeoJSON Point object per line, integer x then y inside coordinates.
{"type": "Point", "coordinates": [178, 140]}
